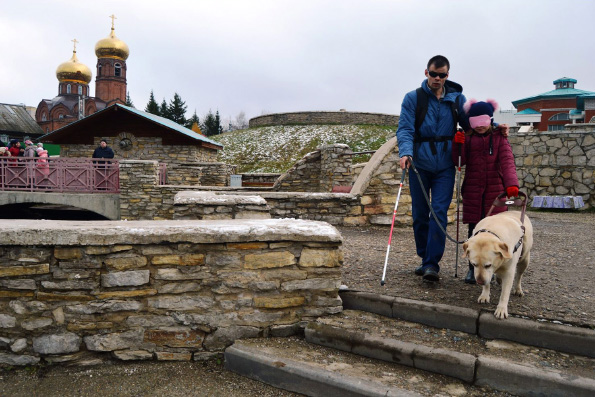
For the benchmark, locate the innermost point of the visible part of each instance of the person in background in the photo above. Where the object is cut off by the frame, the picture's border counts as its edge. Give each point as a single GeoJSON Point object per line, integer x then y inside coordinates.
{"type": "Point", "coordinates": [15, 148]}
{"type": "Point", "coordinates": [42, 165]}
{"type": "Point", "coordinates": [103, 151]}
{"type": "Point", "coordinates": [29, 149]}
{"type": "Point", "coordinates": [489, 166]}
{"type": "Point", "coordinates": [4, 152]}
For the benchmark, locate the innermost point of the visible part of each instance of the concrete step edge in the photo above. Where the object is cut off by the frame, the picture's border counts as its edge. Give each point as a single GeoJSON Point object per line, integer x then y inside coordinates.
{"type": "Point", "coordinates": [560, 337]}
{"type": "Point", "coordinates": [300, 377]}
{"type": "Point", "coordinates": [482, 370]}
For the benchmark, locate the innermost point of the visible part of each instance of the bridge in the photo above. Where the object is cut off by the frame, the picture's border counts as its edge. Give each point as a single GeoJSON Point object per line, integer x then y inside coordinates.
{"type": "Point", "coordinates": [88, 184]}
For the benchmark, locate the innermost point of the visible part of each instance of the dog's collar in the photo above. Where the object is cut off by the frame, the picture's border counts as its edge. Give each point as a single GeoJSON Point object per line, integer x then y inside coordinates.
{"type": "Point", "coordinates": [518, 244]}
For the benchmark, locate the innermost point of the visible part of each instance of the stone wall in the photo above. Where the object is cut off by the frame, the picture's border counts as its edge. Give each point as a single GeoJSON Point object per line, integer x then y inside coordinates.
{"type": "Point", "coordinates": [199, 173]}
{"type": "Point", "coordinates": [318, 171]}
{"type": "Point", "coordinates": [259, 179]}
{"type": "Point", "coordinates": [210, 206]}
{"type": "Point", "coordinates": [341, 117]}
{"type": "Point", "coordinates": [145, 148]}
{"type": "Point", "coordinates": [73, 292]}
{"type": "Point", "coordinates": [557, 164]}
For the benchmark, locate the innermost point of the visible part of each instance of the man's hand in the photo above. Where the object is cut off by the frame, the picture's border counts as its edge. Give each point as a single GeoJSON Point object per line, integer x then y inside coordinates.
{"type": "Point", "coordinates": [459, 137]}
{"type": "Point", "coordinates": [404, 162]}
{"type": "Point", "coordinates": [504, 129]}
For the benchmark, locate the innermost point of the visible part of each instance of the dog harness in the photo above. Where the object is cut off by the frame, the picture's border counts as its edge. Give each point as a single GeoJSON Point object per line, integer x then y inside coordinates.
{"type": "Point", "coordinates": [516, 247]}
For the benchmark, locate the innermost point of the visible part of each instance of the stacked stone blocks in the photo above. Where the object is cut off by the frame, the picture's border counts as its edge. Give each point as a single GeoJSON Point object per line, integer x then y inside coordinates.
{"type": "Point", "coordinates": [557, 164]}
{"type": "Point", "coordinates": [179, 291]}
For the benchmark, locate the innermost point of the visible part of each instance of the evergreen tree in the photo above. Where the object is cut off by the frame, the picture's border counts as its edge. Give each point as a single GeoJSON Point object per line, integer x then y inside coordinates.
{"type": "Point", "coordinates": [177, 110]}
{"type": "Point", "coordinates": [164, 110]}
{"type": "Point", "coordinates": [209, 125]}
{"type": "Point", "coordinates": [129, 100]}
{"type": "Point", "coordinates": [218, 123]}
{"type": "Point", "coordinates": [152, 106]}
{"type": "Point", "coordinates": [192, 120]}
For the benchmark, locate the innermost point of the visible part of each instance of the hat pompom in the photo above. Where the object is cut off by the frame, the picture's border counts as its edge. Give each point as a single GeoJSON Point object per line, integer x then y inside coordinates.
{"type": "Point", "coordinates": [468, 105]}
{"type": "Point", "coordinates": [493, 103]}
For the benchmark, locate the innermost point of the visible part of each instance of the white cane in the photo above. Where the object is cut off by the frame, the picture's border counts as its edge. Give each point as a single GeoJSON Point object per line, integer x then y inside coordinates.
{"type": "Point", "coordinates": [392, 226]}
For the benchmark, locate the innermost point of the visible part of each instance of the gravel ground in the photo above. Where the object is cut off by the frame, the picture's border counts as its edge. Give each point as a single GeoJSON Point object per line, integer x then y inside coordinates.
{"type": "Point", "coordinates": [557, 287]}
{"type": "Point", "coordinates": [557, 283]}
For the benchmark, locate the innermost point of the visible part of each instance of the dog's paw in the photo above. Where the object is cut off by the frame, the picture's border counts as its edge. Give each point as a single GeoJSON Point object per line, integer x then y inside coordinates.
{"type": "Point", "coordinates": [501, 312]}
{"type": "Point", "coordinates": [483, 299]}
{"type": "Point", "coordinates": [518, 292]}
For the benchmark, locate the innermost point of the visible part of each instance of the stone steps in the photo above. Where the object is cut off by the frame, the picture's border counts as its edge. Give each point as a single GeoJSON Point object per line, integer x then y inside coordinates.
{"type": "Point", "coordinates": [420, 358]}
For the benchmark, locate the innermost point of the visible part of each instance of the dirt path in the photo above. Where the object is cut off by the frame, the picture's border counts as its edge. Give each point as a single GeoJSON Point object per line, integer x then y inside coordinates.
{"type": "Point", "coordinates": [558, 284]}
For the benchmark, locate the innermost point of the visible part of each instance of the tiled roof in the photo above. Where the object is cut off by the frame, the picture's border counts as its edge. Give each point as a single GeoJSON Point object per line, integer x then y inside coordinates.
{"type": "Point", "coordinates": [559, 93]}
{"type": "Point", "coordinates": [170, 124]}
{"type": "Point", "coordinates": [15, 118]}
{"type": "Point", "coordinates": [528, 111]}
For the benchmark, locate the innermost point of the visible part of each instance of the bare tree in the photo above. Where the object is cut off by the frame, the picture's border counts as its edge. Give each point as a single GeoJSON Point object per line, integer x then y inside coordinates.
{"type": "Point", "coordinates": [241, 122]}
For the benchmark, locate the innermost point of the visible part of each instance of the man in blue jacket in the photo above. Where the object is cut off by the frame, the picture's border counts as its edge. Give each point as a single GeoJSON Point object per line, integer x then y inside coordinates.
{"type": "Point", "coordinates": [429, 146]}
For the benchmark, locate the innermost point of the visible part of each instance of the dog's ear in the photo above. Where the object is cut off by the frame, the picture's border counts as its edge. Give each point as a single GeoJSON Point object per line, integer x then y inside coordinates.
{"type": "Point", "coordinates": [502, 249]}
{"type": "Point", "coordinates": [465, 245]}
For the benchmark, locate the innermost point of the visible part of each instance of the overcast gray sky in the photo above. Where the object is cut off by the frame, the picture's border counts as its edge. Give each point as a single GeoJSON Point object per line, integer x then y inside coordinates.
{"type": "Point", "coordinates": [279, 56]}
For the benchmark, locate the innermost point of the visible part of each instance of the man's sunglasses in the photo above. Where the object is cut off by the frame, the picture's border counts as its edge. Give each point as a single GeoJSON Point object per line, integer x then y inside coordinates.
{"type": "Point", "coordinates": [434, 74]}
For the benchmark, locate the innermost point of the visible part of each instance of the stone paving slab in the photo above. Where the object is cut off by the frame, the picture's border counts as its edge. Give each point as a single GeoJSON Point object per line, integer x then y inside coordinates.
{"type": "Point", "coordinates": [283, 362]}
{"type": "Point", "coordinates": [51, 232]}
{"type": "Point", "coordinates": [559, 337]}
{"type": "Point", "coordinates": [502, 365]}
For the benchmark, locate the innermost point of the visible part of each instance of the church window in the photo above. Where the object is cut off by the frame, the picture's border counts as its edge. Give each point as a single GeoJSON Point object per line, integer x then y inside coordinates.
{"type": "Point", "coordinates": [44, 117]}
{"type": "Point", "coordinates": [560, 116]}
{"type": "Point", "coordinates": [99, 70]}
{"type": "Point", "coordinates": [68, 89]}
{"type": "Point", "coordinates": [118, 70]}
{"type": "Point", "coordinates": [60, 117]}
{"type": "Point", "coordinates": [80, 90]}
{"type": "Point", "coordinates": [553, 128]}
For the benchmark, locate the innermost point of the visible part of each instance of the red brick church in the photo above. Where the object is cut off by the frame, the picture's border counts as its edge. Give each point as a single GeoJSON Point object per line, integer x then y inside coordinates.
{"type": "Point", "coordinates": [73, 101]}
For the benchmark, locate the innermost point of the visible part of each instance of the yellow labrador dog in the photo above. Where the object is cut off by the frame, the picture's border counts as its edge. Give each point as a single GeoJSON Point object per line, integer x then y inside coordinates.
{"type": "Point", "coordinates": [500, 246]}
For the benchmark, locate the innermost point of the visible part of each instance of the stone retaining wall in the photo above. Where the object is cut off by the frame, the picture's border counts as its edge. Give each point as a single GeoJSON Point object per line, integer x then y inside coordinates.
{"type": "Point", "coordinates": [318, 171]}
{"type": "Point", "coordinates": [211, 206]}
{"type": "Point", "coordinates": [80, 291]}
{"type": "Point", "coordinates": [341, 117]}
{"type": "Point", "coordinates": [199, 173]}
{"type": "Point", "coordinates": [557, 163]}
{"type": "Point", "coordinates": [259, 179]}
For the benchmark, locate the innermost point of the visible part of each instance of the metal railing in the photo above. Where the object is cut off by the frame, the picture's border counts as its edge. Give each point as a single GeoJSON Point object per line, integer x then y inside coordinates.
{"type": "Point", "coordinates": [49, 174]}
{"type": "Point", "coordinates": [163, 173]}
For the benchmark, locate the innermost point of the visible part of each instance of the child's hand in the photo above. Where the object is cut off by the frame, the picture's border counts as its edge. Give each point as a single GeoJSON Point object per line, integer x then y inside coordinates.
{"type": "Point", "coordinates": [459, 137]}
{"type": "Point", "coordinates": [512, 191]}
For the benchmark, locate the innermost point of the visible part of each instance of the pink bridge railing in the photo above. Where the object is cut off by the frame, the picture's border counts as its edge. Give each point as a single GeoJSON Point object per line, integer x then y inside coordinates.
{"type": "Point", "coordinates": [63, 174]}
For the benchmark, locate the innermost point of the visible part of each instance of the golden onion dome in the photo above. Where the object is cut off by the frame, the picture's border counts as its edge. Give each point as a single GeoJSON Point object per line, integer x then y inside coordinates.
{"type": "Point", "coordinates": [73, 70]}
{"type": "Point", "coordinates": [112, 47]}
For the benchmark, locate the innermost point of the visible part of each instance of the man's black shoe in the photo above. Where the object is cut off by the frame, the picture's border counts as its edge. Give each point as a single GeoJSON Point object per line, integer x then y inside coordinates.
{"type": "Point", "coordinates": [431, 276]}
{"type": "Point", "coordinates": [419, 271]}
{"type": "Point", "coordinates": [470, 277]}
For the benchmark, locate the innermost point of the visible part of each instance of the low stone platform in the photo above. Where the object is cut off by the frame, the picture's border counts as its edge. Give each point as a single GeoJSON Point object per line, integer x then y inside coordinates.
{"type": "Point", "coordinates": [558, 202]}
{"type": "Point", "coordinates": [202, 205]}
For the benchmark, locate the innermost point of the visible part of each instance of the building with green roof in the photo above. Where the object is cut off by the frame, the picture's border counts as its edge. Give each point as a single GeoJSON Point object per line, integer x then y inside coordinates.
{"type": "Point", "coordinates": [551, 110]}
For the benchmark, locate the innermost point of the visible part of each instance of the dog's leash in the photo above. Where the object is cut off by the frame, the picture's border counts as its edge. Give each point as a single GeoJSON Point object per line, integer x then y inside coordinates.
{"type": "Point", "coordinates": [521, 201]}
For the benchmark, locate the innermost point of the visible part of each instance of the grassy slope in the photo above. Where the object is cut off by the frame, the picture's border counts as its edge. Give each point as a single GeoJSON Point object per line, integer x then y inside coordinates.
{"type": "Point", "coordinates": [275, 149]}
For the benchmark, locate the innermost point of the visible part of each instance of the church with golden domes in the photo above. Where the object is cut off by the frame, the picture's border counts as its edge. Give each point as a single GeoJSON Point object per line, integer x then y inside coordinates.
{"type": "Point", "coordinates": [73, 101]}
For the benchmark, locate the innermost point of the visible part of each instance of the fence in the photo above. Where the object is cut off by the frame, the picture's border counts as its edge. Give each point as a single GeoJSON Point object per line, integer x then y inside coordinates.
{"type": "Point", "coordinates": [59, 175]}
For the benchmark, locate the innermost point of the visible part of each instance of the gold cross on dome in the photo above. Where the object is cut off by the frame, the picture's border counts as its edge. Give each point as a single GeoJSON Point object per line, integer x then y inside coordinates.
{"type": "Point", "coordinates": [74, 41]}
{"type": "Point", "coordinates": [113, 17]}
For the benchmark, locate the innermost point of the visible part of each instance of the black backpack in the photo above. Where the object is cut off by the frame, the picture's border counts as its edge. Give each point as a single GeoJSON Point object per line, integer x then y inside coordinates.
{"type": "Point", "coordinates": [421, 109]}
